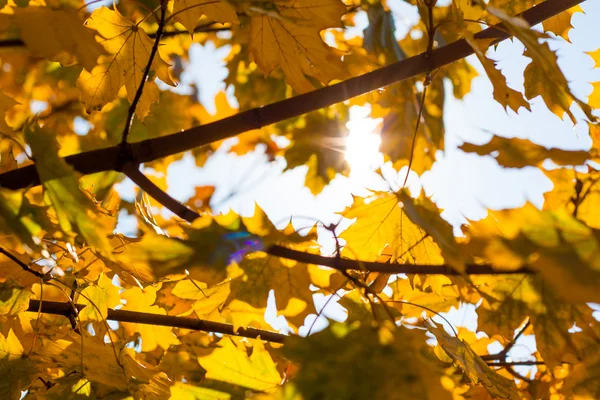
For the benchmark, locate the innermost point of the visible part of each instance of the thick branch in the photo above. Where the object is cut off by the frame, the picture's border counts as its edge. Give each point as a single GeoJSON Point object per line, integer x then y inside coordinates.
{"type": "Point", "coordinates": [65, 309]}
{"type": "Point", "coordinates": [152, 149]}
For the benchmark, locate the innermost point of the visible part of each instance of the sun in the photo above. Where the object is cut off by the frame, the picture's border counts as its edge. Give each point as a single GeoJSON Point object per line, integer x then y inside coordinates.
{"type": "Point", "coordinates": [362, 144]}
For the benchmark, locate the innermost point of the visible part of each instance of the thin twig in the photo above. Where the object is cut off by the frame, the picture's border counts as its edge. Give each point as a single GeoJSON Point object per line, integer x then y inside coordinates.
{"type": "Point", "coordinates": [502, 354]}
{"type": "Point", "coordinates": [23, 266]}
{"type": "Point", "coordinates": [148, 150]}
{"type": "Point", "coordinates": [140, 89]}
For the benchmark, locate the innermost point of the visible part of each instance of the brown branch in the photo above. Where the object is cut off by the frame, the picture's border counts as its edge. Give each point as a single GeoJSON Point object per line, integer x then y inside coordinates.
{"type": "Point", "coordinates": [23, 266]}
{"type": "Point", "coordinates": [140, 89]}
{"type": "Point", "coordinates": [65, 309]}
{"type": "Point", "coordinates": [514, 363]}
{"type": "Point", "coordinates": [344, 264]}
{"type": "Point", "coordinates": [148, 150]}
{"type": "Point", "coordinates": [132, 171]}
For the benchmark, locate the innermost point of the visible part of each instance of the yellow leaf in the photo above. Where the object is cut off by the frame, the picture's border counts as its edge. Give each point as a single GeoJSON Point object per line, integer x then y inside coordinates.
{"type": "Point", "coordinates": [129, 49]}
{"type": "Point", "coordinates": [184, 391]}
{"type": "Point", "coordinates": [596, 57]}
{"type": "Point", "coordinates": [519, 153]}
{"type": "Point", "coordinates": [230, 363]}
{"type": "Point", "coordinates": [98, 298]}
{"type": "Point", "coordinates": [15, 367]}
{"type": "Point", "coordinates": [543, 77]}
{"type": "Point", "coordinates": [6, 103]}
{"type": "Point", "coordinates": [142, 300]}
{"type": "Point", "coordinates": [594, 99]}
{"type": "Point", "coordinates": [13, 300]}
{"type": "Point", "coordinates": [475, 367]}
{"type": "Point", "coordinates": [208, 299]}
{"type": "Point", "coordinates": [76, 212]}
{"type": "Point", "coordinates": [560, 24]}
{"type": "Point", "coordinates": [503, 94]}
{"type": "Point", "coordinates": [49, 33]}
{"type": "Point", "coordinates": [288, 37]}
{"type": "Point", "coordinates": [381, 221]}
{"type": "Point", "coordinates": [188, 12]}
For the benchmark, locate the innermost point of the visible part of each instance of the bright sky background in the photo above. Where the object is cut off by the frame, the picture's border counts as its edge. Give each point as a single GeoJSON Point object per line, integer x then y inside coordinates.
{"type": "Point", "coordinates": [461, 184]}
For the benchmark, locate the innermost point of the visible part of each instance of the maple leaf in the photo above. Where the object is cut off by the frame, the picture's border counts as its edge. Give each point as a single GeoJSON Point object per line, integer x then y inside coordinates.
{"type": "Point", "coordinates": [98, 298]}
{"type": "Point", "coordinates": [519, 153]}
{"type": "Point", "coordinates": [15, 367]}
{"type": "Point", "coordinates": [76, 212]}
{"type": "Point", "coordinates": [477, 371]}
{"type": "Point", "coordinates": [381, 221]}
{"type": "Point", "coordinates": [503, 94]}
{"type": "Point", "coordinates": [51, 33]}
{"type": "Point", "coordinates": [188, 12]}
{"type": "Point", "coordinates": [560, 24]}
{"type": "Point", "coordinates": [287, 36]}
{"type": "Point", "coordinates": [129, 48]}
{"type": "Point", "coordinates": [6, 103]}
{"type": "Point", "coordinates": [291, 284]}
{"type": "Point", "coordinates": [230, 363]}
{"type": "Point", "coordinates": [385, 364]}
{"type": "Point", "coordinates": [142, 300]}
{"type": "Point", "coordinates": [13, 300]}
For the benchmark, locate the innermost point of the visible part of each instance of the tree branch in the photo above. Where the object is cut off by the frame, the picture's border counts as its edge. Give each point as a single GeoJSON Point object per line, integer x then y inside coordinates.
{"type": "Point", "coordinates": [148, 150]}
{"type": "Point", "coordinates": [344, 264]}
{"type": "Point", "coordinates": [23, 266]}
{"type": "Point", "coordinates": [65, 309]}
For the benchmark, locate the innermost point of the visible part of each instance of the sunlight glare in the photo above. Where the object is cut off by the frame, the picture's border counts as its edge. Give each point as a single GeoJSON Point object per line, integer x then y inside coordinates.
{"type": "Point", "coordinates": [362, 146]}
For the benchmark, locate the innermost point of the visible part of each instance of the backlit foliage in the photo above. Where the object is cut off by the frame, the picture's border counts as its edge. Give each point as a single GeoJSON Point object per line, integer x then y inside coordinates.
{"type": "Point", "coordinates": [112, 69]}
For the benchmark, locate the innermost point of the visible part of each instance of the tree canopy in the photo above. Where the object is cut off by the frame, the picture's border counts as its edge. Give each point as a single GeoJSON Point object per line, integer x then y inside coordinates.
{"type": "Point", "coordinates": [177, 310]}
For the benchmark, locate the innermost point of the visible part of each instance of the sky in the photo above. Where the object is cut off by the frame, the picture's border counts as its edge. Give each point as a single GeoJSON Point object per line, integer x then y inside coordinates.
{"type": "Point", "coordinates": [464, 185]}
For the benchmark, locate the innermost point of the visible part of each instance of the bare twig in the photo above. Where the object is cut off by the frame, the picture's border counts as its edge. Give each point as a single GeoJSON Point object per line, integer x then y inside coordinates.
{"type": "Point", "coordinates": [152, 149]}
{"type": "Point", "coordinates": [502, 355]}
{"type": "Point", "coordinates": [65, 309]}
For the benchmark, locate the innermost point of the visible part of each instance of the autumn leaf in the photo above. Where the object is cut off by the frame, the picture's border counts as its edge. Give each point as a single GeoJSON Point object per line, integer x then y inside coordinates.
{"type": "Point", "coordinates": [386, 364]}
{"type": "Point", "coordinates": [560, 24]}
{"type": "Point", "coordinates": [52, 33]}
{"type": "Point", "coordinates": [13, 300]}
{"type": "Point", "coordinates": [15, 366]}
{"type": "Point", "coordinates": [519, 153]}
{"type": "Point", "coordinates": [287, 36]}
{"type": "Point", "coordinates": [230, 363]}
{"type": "Point", "coordinates": [129, 48]}
{"type": "Point", "coordinates": [6, 103]}
{"type": "Point", "coordinates": [381, 221]}
{"type": "Point", "coordinates": [188, 12]}
{"type": "Point", "coordinates": [98, 298]}
{"type": "Point", "coordinates": [142, 300]}
{"type": "Point", "coordinates": [76, 212]}
{"type": "Point", "coordinates": [477, 371]}
{"type": "Point", "coordinates": [503, 94]}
